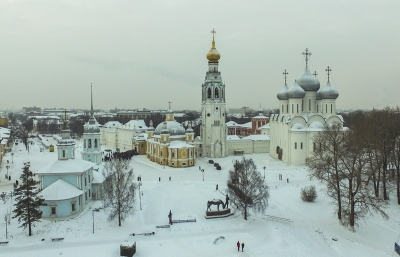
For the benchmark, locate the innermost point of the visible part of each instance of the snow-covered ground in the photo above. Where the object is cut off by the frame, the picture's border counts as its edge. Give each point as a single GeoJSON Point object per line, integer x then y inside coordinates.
{"type": "Point", "coordinates": [309, 234]}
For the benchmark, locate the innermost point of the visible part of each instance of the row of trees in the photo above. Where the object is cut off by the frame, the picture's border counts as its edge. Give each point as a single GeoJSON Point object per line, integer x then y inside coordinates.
{"type": "Point", "coordinates": [360, 165]}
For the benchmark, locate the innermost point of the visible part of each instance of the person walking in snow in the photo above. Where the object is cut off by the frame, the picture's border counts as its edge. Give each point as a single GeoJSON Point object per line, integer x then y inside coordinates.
{"type": "Point", "coordinates": [238, 245]}
{"type": "Point", "coordinates": [170, 217]}
{"type": "Point", "coordinates": [242, 246]}
{"type": "Point", "coordinates": [226, 201]}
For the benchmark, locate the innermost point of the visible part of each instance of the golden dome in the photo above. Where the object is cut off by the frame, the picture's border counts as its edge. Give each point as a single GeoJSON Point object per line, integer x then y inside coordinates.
{"type": "Point", "coordinates": [213, 55]}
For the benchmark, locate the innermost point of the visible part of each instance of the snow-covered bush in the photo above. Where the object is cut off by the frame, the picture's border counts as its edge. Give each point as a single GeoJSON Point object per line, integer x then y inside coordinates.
{"type": "Point", "coordinates": [308, 194]}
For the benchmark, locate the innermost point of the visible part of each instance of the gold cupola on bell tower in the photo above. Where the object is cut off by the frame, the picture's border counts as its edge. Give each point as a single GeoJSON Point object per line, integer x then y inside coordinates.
{"type": "Point", "coordinates": [213, 55]}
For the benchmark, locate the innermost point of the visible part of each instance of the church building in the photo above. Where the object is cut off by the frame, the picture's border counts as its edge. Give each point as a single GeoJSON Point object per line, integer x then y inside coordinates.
{"type": "Point", "coordinates": [304, 111]}
{"type": "Point", "coordinates": [91, 138]}
{"type": "Point", "coordinates": [213, 130]}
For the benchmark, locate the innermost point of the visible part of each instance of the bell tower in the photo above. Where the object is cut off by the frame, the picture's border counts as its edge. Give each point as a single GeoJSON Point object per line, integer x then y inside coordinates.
{"type": "Point", "coordinates": [213, 108]}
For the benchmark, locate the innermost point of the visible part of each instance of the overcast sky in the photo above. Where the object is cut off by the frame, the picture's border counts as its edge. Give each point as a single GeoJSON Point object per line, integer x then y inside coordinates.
{"type": "Point", "coordinates": [144, 53]}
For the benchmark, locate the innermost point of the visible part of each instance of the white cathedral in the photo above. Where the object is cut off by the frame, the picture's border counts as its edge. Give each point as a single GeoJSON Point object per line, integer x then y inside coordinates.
{"type": "Point", "coordinates": [304, 110]}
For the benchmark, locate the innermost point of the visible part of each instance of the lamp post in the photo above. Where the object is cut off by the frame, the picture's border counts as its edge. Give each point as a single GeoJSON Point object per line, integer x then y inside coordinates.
{"type": "Point", "coordinates": [12, 157]}
{"type": "Point", "coordinates": [264, 171]}
{"type": "Point", "coordinates": [7, 167]}
{"type": "Point", "coordinates": [202, 171]}
{"type": "Point", "coordinates": [140, 196]}
{"type": "Point", "coordinates": [5, 219]}
{"type": "Point", "coordinates": [95, 210]}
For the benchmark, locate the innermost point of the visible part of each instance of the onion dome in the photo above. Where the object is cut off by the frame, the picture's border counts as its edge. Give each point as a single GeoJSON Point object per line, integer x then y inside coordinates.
{"type": "Point", "coordinates": [295, 91]}
{"type": "Point", "coordinates": [308, 81]}
{"type": "Point", "coordinates": [328, 92]}
{"type": "Point", "coordinates": [282, 93]}
{"type": "Point", "coordinates": [92, 126]}
{"type": "Point", "coordinates": [318, 97]}
{"type": "Point", "coordinates": [189, 129]}
{"type": "Point", "coordinates": [171, 127]}
{"type": "Point", "coordinates": [213, 55]}
{"type": "Point", "coordinates": [151, 128]}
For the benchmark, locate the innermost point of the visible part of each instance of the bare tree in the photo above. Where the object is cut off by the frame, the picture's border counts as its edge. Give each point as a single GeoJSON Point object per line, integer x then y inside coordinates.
{"type": "Point", "coordinates": [358, 197]}
{"type": "Point", "coordinates": [325, 163]}
{"type": "Point", "coordinates": [247, 188]}
{"type": "Point", "coordinates": [119, 190]}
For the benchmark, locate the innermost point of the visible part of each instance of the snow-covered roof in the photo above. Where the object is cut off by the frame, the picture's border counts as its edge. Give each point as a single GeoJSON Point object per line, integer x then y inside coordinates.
{"type": "Point", "coordinates": [60, 190]}
{"type": "Point", "coordinates": [67, 166]}
{"type": "Point", "coordinates": [179, 144]}
{"type": "Point", "coordinates": [232, 124]}
{"type": "Point", "coordinates": [112, 124]}
{"type": "Point", "coordinates": [260, 117]}
{"type": "Point", "coordinates": [257, 137]}
{"type": "Point", "coordinates": [265, 126]}
{"type": "Point", "coordinates": [135, 125]}
{"type": "Point", "coordinates": [232, 137]}
{"type": "Point", "coordinates": [247, 125]}
{"type": "Point", "coordinates": [98, 177]}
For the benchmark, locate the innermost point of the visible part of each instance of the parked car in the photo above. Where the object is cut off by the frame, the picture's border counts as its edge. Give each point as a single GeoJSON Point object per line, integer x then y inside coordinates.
{"type": "Point", "coordinates": [216, 164]}
{"type": "Point", "coordinates": [210, 161]}
{"type": "Point", "coordinates": [218, 167]}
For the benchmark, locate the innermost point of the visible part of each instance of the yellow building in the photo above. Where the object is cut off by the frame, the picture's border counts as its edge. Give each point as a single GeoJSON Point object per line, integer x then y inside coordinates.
{"type": "Point", "coordinates": [169, 144]}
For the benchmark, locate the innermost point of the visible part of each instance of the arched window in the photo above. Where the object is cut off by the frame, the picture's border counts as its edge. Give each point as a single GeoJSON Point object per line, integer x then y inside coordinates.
{"type": "Point", "coordinates": [84, 143]}
{"type": "Point", "coordinates": [209, 93]}
{"type": "Point", "coordinates": [95, 143]}
{"type": "Point", "coordinates": [90, 143]}
{"type": "Point", "coordinates": [216, 93]}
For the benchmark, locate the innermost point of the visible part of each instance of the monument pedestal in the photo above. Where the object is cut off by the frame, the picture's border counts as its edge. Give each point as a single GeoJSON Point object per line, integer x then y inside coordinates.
{"type": "Point", "coordinates": [218, 214]}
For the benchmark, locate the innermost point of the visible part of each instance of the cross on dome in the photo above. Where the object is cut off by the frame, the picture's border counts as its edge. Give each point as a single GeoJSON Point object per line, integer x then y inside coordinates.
{"type": "Point", "coordinates": [285, 73]}
{"type": "Point", "coordinates": [213, 32]}
{"type": "Point", "coordinates": [315, 74]}
{"type": "Point", "coordinates": [307, 54]}
{"type": "Point", "coordinates": [328, 70]}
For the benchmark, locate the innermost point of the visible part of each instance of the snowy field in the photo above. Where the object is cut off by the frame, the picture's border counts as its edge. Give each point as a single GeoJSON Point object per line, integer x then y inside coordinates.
{"type": "Point", "coordinates": [309, 234]}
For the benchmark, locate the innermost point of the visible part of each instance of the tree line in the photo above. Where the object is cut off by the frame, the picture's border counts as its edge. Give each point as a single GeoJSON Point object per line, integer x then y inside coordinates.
{"type": "Point", "coordinates": [359, 165]}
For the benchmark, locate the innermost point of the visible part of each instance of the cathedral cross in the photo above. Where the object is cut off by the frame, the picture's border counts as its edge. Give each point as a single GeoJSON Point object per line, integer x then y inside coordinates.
{"type": "Point", "coordinates": [213, 32]}
{"type": "Point", "coordinates": [285, 73]}
{"type": "Point", "coordinates": [307, 54]}
{"type": "Point", "coordinates": [315, 74]}
{"type": "Point", "coordinates": [328, 70]}
{"type": "Point", "coordinates": [169, 104]}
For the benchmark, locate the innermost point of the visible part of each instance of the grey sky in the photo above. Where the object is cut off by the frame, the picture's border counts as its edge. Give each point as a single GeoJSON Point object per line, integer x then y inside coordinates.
{"type": "Point", "coordinates": [145, 53]}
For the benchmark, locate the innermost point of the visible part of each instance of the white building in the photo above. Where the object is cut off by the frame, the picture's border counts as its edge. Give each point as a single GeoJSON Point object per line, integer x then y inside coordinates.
{"type": "Point", "coordinates": [213, 130]}
{"type": "Point", "coordinates": [304, 111]}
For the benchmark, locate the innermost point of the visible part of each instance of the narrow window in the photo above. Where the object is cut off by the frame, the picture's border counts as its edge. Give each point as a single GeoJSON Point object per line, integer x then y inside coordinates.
{"type": "Point", "coordinates": [85, 182]}
{"type": "Point", "coordinates": [298, 107]}
{"type": "Point", "coordinates": [95, 143]}
{"type": "Point", "coordinates": [53, 210]}
{"type": "Point", "coordinates": [63, 153]}
{"type": "Point", "coordinates": [309, 104]}
{"type": "Point", "coordinates": [216, 93]}
{"type": "Point", "coordinates": [209, 93]}
{"type": "Point", "coordinates": [295, 145]}
{"type": "Point", "coordinates": [292, 108]}
{"type": "Point", "coordinates": [326, 108]}
{"type": "Point", "coordinates": [301, 145]}
{"type": "Point", "coordinates": [73, 207]}
{"type": "Point", "coordinates": [331, 108]}
{"type": "Point", "coordinates": [90, 143]}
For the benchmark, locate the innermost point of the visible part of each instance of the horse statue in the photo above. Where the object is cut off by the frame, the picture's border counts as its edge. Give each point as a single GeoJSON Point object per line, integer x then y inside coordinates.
{"type": "Point", "coordinates": [216, 202]}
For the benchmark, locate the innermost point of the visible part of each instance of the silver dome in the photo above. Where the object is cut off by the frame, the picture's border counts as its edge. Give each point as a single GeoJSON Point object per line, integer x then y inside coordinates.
{"type": "Point", "coordinates": [174, 128]}
{"type": "Point", "coordinates": [329, 92]}
{"type": "Point", "coordinates": [282, 93]}
{"type": "Point", "coordinates": [308, 82]}
{"type": "Point", "coordinates": [295, 91]}
{"type": "Point", "coordinates": [318, 97]}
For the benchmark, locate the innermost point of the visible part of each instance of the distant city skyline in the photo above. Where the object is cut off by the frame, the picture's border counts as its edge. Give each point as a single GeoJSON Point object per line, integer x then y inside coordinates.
{"type": "Point", "coordinates": [144, 54]}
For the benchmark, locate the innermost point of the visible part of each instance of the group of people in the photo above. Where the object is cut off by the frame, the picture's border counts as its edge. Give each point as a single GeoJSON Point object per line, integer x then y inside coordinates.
{"type": "Point", "coordinates": [238, 245]}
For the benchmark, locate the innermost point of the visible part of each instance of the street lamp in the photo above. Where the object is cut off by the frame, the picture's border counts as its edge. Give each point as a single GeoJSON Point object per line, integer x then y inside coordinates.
{"type": "Point", "coordinates": [5, 219]}
{"type": "Point", "coordinates": [12, 157]}
{"type": "Point", "coordinates": [264, 171]}
{"type": "Point", "coordinates": [7, 167]}
{"type": "Point", "coordinates": [140, 196]}
{"type": "Point", "coordinates": [95, 210]}
{"type": "Point", "coordinates": [202, 171]}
